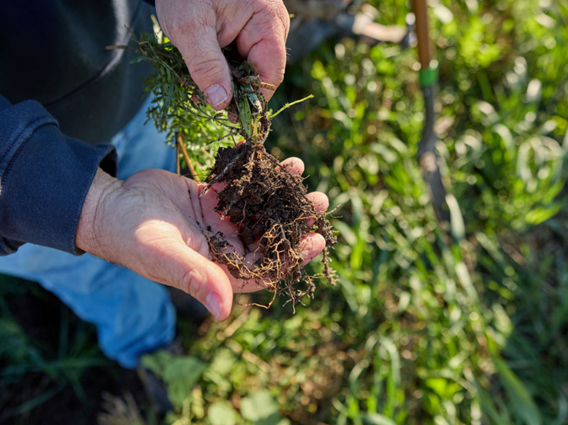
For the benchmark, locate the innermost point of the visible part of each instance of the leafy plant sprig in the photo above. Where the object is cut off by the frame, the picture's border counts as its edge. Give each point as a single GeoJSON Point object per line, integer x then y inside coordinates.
{"type": "Point", "coordinates": [181, 110]}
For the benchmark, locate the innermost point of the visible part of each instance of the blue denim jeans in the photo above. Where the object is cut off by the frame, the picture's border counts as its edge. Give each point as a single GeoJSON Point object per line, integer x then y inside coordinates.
{"type": "Point", "coordinates": [132, 314]}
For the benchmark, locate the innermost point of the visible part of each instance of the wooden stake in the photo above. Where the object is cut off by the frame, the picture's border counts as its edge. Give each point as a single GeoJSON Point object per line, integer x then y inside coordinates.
{"type": "Point", "coordinates": [178, 167]}
{"type": "Point", "coordinates": [181, 145]}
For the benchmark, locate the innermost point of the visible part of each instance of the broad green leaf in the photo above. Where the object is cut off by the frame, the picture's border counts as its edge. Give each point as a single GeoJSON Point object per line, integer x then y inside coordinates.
{"type": "Point", "coordinates": [180, 373]}
{"type": "Point", "coordinates": [157, 362]}
{"type": "Point", "coordinates": [221, 413]}
{"type": "Point", "coordinates": [261, 408]}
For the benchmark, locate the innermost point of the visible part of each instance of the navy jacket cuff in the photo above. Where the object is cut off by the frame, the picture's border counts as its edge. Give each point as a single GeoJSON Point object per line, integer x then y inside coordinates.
{"type": "Point", "coordinates": [44, 178]}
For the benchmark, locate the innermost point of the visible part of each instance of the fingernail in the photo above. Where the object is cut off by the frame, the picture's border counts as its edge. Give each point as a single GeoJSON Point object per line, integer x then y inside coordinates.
{"type": "Point", "coordinates": [213, 304]}
{"type": "Point", "coordinates": [216, 95]}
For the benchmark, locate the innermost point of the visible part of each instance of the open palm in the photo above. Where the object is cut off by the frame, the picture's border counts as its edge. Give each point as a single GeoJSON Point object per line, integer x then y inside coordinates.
{"type": "Point", "coordinates": [155, 224]}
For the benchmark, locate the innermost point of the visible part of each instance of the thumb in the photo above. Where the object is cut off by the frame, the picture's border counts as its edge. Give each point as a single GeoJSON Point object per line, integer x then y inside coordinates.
{"type": "Point", "coordinates": [208, 67]}
{"type": "Point", "coordinates": [201, 278]}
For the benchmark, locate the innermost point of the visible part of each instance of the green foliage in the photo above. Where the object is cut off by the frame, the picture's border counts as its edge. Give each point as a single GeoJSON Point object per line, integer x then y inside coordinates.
{"type": "Point", "coordinates": [180, 109]}
{"type": "Point", "coordinates": [23, 359]}
{"type": "Point", "coordinates": [178, 106]}
{"type": "Point", "coordinates": [221, 413]}
{"type": "Point", "coordinates": [179, 373]}
{"type": "Point", "coordinates": [521, 401]}
{"type": "Point", "coordinates": [261, 409]}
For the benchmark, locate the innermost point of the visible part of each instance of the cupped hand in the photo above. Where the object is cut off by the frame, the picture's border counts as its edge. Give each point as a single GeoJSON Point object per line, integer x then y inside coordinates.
{"type": "Point", "coordinates": [200, 28]}
{"type": "Point", "coordinates": [155, 224]}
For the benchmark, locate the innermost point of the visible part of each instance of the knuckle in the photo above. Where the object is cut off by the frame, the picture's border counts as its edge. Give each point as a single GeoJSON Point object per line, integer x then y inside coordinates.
{"type": "Point", "coordinates": [206, 65]}
{"type": "Point", "coordinates": [275, 76]}
{"type": "Point", "coordinates": [285, 18]}
{"type": "Point", "coordinates": [280, 56]}
{"type": "Point", "coordinates": [146, 173]}
{"type": "Point", "coordinates": [191, 283]}
{"type": "Point", "coordinates": [279, 9]}
{"type": "Point", "coordinates": [277, 12]}
{"type": "Point", "coordinates": [200, 245]}
{"type": "Point", "coordinates": [279, 76]}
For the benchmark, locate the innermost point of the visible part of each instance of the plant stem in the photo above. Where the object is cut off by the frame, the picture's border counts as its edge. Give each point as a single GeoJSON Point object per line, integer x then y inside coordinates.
{"type": "Point", "coordinates": [141, 47]}
{"type": "Point", "coordinates": [287, 105]}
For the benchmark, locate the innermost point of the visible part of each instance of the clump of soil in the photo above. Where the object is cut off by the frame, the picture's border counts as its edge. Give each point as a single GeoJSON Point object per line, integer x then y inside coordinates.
{"type": "Point", "coordinates": [268, 203]}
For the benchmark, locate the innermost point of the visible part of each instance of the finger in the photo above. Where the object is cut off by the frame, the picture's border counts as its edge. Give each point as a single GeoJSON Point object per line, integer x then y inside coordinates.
{"type": "Point", "coordinates": [310, 246]}
{"type": "Point", "coordinates": [294, 165]}
{"type": "Point", "coordinates": [271, 70]}
{"type": "Point", "coordinates": [250, 285]}
{"type": "Point", "coordinates": [320, 200]}
{"type": "Point", "coordinates": [201, 278]}
{"type": "Point", "coordinates": [263, 42]}
{"type": "Point", "coordinates": [321, 204]}
{"type": "Point", "coordinates": [207, 65]}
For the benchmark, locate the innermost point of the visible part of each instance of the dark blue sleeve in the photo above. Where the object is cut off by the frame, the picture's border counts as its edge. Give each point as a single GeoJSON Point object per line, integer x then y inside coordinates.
{"type": "Point", "coordinates": [44, 178]}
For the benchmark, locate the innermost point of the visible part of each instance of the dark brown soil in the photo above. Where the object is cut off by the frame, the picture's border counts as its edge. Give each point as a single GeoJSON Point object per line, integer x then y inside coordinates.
{"type": "Point", "coordinates": [269, 205]}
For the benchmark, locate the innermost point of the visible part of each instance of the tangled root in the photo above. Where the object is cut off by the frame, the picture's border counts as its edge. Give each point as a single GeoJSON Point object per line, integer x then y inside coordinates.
{"type": "Point", "coordinates": [270, 207]}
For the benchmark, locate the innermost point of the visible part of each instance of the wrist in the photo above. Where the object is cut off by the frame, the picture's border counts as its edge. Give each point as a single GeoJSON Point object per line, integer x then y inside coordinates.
{"type": "Point", "coordinates": [90, 230]}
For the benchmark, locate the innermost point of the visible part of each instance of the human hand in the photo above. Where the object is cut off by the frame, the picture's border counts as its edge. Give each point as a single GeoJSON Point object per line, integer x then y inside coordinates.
{"type": "Point", "coordinates": [154, 224]}
{"type": "Point", "coordinates": [200, 28]}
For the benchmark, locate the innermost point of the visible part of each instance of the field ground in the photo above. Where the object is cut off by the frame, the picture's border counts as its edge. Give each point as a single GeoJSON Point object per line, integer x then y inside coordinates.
{"type": "Point", "coordinates": [421, 328]}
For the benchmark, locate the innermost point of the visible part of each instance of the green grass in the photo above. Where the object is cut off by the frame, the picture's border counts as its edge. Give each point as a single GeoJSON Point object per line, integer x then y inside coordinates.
{"type": "Point", "coordinates": [421, 328]}
{"type": "Point", "coordinates": [42, 353]}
